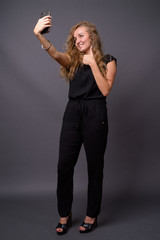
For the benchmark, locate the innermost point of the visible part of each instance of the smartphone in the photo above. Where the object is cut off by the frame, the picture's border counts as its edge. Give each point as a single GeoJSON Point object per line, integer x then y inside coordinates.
{"type": "Point", "coordinates": [43, 14]}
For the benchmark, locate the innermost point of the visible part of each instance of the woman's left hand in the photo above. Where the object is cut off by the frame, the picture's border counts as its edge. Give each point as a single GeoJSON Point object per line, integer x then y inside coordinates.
{"type": "Point", "coordinates": [88, 58]}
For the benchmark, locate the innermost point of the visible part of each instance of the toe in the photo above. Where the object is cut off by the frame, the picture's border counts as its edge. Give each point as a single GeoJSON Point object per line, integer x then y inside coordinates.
{"type": "Point", "coordinates": [81, 228]}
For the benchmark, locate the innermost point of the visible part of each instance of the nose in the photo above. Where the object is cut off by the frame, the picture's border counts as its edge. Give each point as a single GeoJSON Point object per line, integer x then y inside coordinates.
{"type": "Point", "coordinates": [77, 40]}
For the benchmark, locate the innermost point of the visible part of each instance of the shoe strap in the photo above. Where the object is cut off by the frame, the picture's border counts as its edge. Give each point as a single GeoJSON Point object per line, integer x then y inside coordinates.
{"type": "Point", "coordinates": [87, 225]}
{"type": "Point", "coordinates": [63, 226]}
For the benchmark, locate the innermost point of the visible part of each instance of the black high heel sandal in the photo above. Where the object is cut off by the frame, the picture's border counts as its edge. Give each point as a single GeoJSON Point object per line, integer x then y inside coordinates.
{"type": "Point", "coordinates": [65, 226]}
{"type": "Point", "coordinates": [88, 226]}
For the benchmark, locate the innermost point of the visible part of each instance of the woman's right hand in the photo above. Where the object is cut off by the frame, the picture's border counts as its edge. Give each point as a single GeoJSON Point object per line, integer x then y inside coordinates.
{"type": "Point", "coordinates": [42, 24]}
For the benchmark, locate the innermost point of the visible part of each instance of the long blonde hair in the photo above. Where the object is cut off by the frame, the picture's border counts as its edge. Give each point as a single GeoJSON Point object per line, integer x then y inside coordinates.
{"type": "Point", "coordinates": [76, 56]}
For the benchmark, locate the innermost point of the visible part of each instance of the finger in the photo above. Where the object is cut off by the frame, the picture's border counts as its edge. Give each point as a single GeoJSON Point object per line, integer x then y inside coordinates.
{"type": "Point", "coordinates": [90, 51]}
{"type": "Point", "coordinates": [47, 21]}
{"type": "Point", "coordinates": [46, 17]}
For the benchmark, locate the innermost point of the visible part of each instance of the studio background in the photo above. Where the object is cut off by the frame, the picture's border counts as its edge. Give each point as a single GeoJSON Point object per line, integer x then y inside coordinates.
{"type": "Point", "coordinates": [33, 96]}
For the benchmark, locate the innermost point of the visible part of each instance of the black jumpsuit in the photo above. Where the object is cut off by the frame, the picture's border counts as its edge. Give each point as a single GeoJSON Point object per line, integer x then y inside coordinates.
{"type": "Point", "coordinates": [84, 122]}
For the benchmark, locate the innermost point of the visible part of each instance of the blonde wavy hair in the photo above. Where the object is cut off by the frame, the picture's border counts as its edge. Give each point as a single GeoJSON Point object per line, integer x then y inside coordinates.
{"type": "Point", "coordinates": [76, 56]}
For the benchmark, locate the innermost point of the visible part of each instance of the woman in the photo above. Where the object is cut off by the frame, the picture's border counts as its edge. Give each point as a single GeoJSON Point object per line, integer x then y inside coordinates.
{"type": "Point", "coordinates": [91, 75]}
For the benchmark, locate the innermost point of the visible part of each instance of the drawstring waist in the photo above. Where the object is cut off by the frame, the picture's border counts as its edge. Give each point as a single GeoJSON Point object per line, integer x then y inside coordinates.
{"type": "Point", "coordinates": [82, 104]}
{"type": "Point", "coordinates": [79, 110]}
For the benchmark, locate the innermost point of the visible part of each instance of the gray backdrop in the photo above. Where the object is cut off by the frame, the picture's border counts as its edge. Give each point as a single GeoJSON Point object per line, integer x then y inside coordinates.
{"type": "Point", "coordinates": [33, 96]}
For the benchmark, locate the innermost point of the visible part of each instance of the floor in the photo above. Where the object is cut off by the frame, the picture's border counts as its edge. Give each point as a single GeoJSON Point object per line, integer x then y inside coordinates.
{"type": "Point", "coordinates": [35, 218]}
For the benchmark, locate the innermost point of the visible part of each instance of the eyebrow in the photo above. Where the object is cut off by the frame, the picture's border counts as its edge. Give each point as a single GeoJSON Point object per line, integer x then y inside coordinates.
{"type": "Point", "coordinates": [78, 34]}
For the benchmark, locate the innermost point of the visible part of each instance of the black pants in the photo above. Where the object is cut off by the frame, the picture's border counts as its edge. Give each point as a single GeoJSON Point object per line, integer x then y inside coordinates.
{"type": "Point", "coordinates": [84, 122]}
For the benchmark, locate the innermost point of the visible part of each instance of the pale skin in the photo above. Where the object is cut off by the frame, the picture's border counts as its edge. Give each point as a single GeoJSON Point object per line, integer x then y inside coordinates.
{"type": "Point", "coordinates": [83, 44]}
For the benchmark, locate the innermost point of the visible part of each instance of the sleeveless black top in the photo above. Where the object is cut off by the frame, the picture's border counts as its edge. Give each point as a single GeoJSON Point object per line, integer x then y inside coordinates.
{"type": "Point", "coordinates": [83, 84]}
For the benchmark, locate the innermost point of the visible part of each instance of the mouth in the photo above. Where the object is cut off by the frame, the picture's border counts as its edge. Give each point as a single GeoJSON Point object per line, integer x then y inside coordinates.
{"type": "Point", "coordinates": [80, 45]}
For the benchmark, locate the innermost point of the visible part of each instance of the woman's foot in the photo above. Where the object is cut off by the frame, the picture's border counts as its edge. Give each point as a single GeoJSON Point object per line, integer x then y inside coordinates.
{"type": "Point", "coordinates": [64, 224]}
{"type": "Point", "coordinates": [88, 225]}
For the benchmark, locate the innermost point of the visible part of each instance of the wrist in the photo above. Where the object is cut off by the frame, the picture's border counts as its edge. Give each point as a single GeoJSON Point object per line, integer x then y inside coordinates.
{"type": "Point", "coordinates": [36, 33]}
{"type": "Point", "coordinates": [93, 63]}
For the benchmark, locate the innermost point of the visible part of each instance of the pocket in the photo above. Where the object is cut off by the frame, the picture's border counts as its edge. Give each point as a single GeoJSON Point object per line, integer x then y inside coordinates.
{"type": "Point", "coordinates": [103, 112]}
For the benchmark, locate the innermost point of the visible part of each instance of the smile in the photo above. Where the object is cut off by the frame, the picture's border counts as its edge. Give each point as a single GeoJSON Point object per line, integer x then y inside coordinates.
{"type": "Point", "coordinates": [80, 45]}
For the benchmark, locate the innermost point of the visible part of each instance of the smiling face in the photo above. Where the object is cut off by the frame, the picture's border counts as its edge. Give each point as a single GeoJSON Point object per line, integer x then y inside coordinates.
{"type": "Point", "coordinates": [82, 40]}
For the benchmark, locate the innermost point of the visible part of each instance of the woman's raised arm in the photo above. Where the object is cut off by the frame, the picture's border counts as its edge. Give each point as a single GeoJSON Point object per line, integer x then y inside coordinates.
{"type": "Point", "coordinates": [62, 58]}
